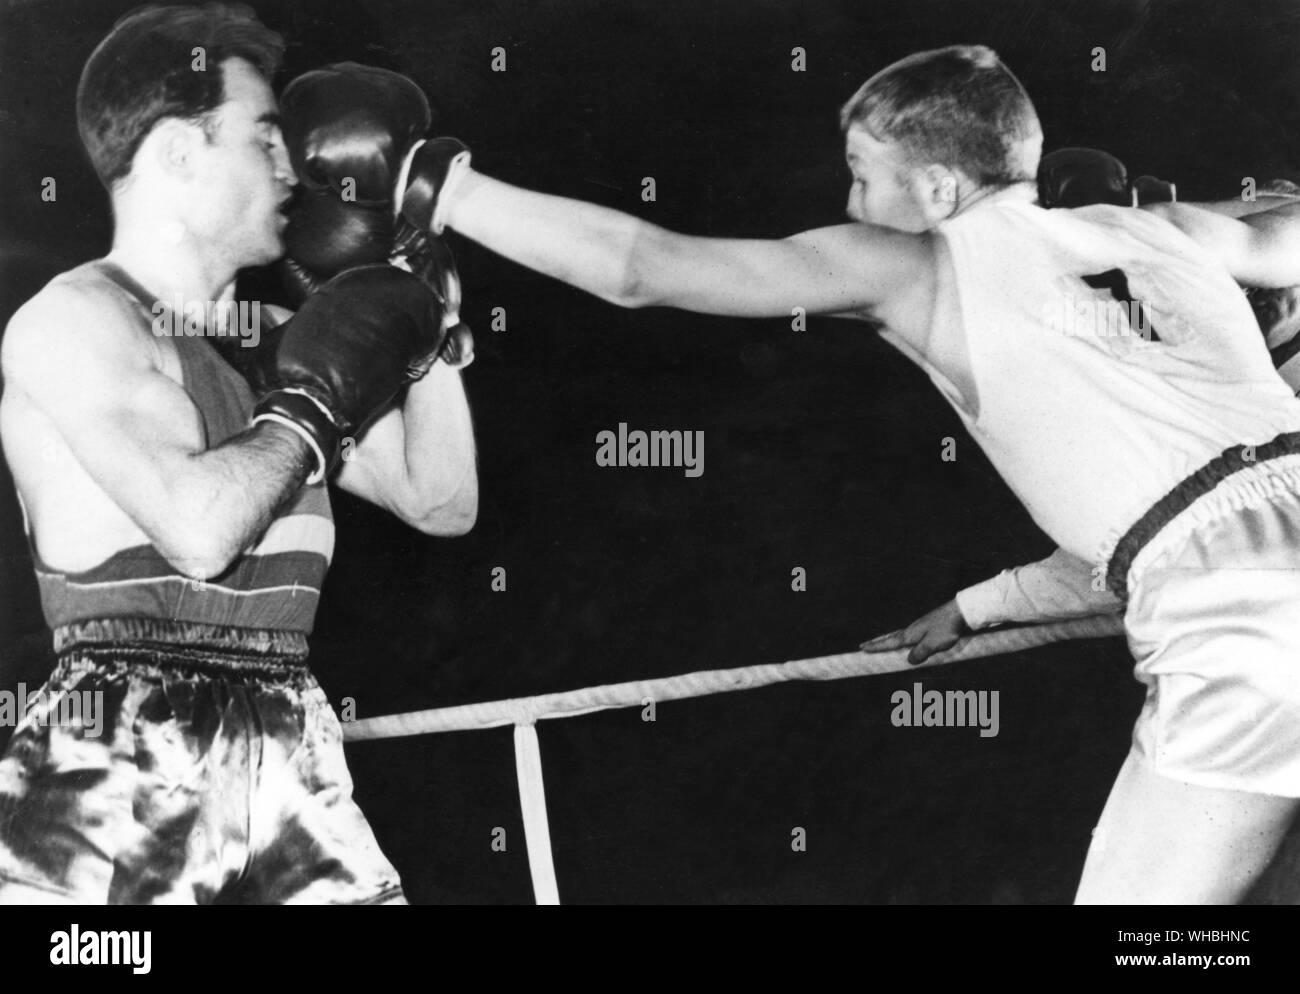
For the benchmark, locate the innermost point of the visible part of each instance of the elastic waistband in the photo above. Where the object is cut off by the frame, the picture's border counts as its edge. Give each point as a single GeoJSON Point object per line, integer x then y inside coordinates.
{"type": "Point", "coordinates": [158, 641]}
{"type": "Point", "coordinates": [1242, 476]}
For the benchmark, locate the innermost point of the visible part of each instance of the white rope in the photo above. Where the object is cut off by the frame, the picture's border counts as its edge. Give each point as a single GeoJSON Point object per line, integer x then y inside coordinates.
{"type": "Point", "coordinates": [525, 710]}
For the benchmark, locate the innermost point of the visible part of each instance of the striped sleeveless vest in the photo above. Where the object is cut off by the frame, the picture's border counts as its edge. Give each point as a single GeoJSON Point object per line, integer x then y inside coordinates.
{"type": "Point", "coordinates": [275, 584]}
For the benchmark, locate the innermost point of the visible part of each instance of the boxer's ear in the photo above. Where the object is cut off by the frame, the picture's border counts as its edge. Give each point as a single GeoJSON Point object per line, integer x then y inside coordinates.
{"type": "Point", "coordinates": [172, 145]}
{"type": "Point", "coordinates": [936, 189]}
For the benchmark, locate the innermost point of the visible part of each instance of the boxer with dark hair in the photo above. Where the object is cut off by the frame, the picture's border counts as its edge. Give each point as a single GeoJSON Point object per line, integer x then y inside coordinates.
{"type": "Point", "coordinates": [1126, 449]}
{"type": "Point", "coordinates": [178, 518]}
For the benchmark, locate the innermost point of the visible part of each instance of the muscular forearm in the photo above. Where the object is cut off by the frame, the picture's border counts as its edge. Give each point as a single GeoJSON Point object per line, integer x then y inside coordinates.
{"type": "Point", "coordinates": [438, 453]}
{"type": "Point", "coordinates": [1236, 207]}
{"type": "Point", "coordinates": [587, 246]}
{"type": "Point", "coordinates": [223, 499]}
{"type": "Point", "coordinates": [418, 460]}
{"type": "Point", "coordinates": [1060, 586]}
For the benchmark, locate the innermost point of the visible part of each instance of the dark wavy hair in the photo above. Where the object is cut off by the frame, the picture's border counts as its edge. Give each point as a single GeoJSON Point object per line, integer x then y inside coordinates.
{"type": "Point", "coordinates": [957, 106]}
{"type": "Point", "coordinates": [144, 71]}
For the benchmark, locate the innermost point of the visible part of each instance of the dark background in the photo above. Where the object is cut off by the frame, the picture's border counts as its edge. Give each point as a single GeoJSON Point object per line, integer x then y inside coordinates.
{"type": "Point", "coordinates": [822, 449]}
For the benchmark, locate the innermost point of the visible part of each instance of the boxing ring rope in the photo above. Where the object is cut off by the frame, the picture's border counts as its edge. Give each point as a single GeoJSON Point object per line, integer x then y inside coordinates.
{"type": "Point", "coordinates": [525, 712]}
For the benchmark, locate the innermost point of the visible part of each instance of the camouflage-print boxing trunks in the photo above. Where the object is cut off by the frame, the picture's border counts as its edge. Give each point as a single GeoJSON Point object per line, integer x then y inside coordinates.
{"type": "Point", "coordinates": [217, 776]}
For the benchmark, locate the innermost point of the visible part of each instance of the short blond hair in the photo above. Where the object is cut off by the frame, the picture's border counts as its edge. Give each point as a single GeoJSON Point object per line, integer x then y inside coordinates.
{"type": "Point", "coordinates": [959, 107]}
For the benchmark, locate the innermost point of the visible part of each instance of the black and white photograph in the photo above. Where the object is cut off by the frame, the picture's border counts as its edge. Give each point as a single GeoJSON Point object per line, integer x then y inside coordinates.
{"type": "Point", "coordinates": [626, 453]}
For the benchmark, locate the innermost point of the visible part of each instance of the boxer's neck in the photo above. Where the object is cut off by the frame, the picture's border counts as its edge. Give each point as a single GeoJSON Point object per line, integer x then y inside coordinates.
{"type": "Point", "coordinates": [165, 258]}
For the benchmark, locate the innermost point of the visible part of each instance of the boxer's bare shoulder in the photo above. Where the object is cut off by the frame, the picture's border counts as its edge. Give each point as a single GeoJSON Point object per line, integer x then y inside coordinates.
{"type": "Point", "coordinates": [88, 397]}
{"type": "Point", "coordinates": [76, 311]}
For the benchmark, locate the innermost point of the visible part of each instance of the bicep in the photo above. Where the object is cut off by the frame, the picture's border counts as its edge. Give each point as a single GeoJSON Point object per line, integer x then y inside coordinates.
{"type": "Point", "coordinates": [846, 268]}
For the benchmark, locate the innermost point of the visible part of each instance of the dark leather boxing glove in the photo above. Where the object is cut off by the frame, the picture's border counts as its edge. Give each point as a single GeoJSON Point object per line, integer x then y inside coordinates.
{"type": "Point", "coordinates": [1076, 177]}
{"type": "Point", "coordinates": [434, 167]}
{"type": "Point", "coordinates": [429, 257]}
{"type": "Point", "coordinates": [340, 237]}
{"type": "Point", "coordinates": [349, 121]}
{"type": "Point", "coordinates": [348, 129]}
{"type": "Point", "coordinates": [345, 354]}
{"type": "Point", "coordinates": [353, 133]}
{"type": "Point", "coordinates": [326, 235]}
{"type": "Point", "coordinates": [1149, 190]}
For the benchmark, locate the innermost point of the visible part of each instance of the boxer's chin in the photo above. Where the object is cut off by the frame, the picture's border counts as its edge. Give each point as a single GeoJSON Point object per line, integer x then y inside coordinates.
{"type": "Point", "coordinates": [274, 241]}
{"type": "Point", "coordinates": [271, 250]}
{"type": "Point", "coordinates": [279, 224]}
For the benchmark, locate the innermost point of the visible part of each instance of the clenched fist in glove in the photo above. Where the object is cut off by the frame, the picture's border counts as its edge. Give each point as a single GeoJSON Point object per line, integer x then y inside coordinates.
{"type": "Point", "coordinates": [370, 181]}
{"type": "Point", "coordinates": [336, 363]}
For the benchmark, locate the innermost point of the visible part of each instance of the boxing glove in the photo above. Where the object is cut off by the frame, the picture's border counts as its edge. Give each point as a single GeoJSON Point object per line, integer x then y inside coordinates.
{"type": "Point", "coordinates": [352, 122]}
{"type": "Point", "coordinates": [348, 129]}
{"type": "Point", "coordinates": [1149, 190]}
{"type": "Point", "coordinates": [432, 169]}
{"type": "Point", "coordinates": [345, 354]}
{"type": "Point", "coordinates": [1077, 177]}
{"type": "Point", "coordinates": [353, 134]}
{"type": "Point", "coordinates": [327, 235]}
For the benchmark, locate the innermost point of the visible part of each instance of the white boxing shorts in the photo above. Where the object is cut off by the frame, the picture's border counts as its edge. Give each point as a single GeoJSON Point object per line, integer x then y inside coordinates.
{"type": "Point", "coordinates": [1213, 622]}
